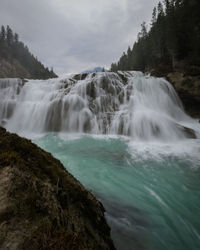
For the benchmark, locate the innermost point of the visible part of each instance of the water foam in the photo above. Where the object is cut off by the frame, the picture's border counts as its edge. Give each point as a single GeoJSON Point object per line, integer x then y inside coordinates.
{"type": "Point", "coordinates": [123, 103]}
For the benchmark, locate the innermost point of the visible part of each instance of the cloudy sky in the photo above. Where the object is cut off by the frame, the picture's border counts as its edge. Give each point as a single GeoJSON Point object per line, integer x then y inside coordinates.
{"type": "Point", "coordinates": [74, 35]}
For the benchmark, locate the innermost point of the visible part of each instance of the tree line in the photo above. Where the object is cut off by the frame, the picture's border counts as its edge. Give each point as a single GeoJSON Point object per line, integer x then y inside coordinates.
{"type": "Point", "coordinates": [172, 39]}
{"type": "Point", "coordinates": [11, 48]}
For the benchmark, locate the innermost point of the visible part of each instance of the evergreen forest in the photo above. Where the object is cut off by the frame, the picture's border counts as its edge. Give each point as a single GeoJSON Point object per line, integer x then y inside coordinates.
{"type": "Point", "coordinates": [172, 41]}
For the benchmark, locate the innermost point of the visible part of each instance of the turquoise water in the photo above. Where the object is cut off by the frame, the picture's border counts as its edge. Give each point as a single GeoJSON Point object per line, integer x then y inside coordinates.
{"type": "Point", "coordinates": [150, 191]}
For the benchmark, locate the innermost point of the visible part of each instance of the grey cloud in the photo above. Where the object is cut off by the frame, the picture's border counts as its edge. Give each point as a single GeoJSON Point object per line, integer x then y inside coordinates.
{"type": "Point", "coordinates": [73, 35]}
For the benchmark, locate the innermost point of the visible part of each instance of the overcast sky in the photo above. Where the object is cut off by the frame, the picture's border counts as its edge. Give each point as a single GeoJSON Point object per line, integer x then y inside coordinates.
{"type": "Point", "coordinates": [74, 35]}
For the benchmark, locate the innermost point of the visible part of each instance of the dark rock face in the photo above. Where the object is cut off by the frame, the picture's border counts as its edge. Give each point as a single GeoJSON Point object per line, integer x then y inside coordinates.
{"type": "Point", "coordinates": [188, 89]}
{"type": "Point", "coordinates": [43, 206]}
{"type": "Point", "coordinates": [186, 80]}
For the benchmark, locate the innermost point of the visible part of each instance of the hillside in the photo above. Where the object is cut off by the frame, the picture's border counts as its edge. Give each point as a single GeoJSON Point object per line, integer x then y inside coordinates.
{"type": "Point", "coordinates": [16, 59]}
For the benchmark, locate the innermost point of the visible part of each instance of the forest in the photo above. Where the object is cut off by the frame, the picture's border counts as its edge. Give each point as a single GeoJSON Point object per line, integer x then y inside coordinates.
{"type": "Point", "coordinates": [172, 42]}
{"type": "Point", "coordinates": [14, 51]}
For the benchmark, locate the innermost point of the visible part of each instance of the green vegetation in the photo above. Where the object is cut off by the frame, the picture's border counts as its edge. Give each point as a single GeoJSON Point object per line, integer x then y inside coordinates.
{"type": "Point", "coordinates": [16, 59]}
{"type": "Point", "coordinates": [172, 42]}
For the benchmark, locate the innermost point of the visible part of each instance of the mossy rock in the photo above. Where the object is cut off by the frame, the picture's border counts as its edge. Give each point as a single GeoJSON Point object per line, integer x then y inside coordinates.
{"type": "Point", "coordinates": [42, 205]}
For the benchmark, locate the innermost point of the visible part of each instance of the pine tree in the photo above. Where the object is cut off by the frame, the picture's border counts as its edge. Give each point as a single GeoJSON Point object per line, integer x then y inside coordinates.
{"type": "Point", "coordinates": [154, 16]}
{"type": "Point", "coordinates": [3, 34]}
{"type": "Point", "coordinates": [16, 38]}
{"type": "Point", "coordinates": [9, 36]}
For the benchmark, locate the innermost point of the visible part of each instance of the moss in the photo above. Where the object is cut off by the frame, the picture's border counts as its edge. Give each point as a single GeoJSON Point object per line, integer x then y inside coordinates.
{"type": "Point", "coordinates": [57, 240]}
{"type": "Point", "coordinates": [7, 214]}
{"type": "Point", "coordinates": [188, 83]}
{"type": "Point", "coordinates": [47, 205]}
{"type": "Point", "coordinates": [161, 70]}
{"type": "Point", "coordinates": [8, 158]}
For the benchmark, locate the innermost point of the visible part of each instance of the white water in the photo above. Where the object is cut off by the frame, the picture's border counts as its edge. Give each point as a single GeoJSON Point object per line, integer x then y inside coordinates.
{"type": "Point", "coordinates": [9, 90]}
{"type": "Point", "coordinates": [145, 108]}
{"type": "Point", "coordinates": [148, 179]}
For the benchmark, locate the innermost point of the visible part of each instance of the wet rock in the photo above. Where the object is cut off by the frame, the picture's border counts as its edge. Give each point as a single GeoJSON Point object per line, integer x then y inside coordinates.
{"type": "Point", "coordinates": [90, 90]}
{"type": "Point", "coordinates": [83, 76]}
{"type": "Point", "coordinates": [186, 80]}
{"type": "Point", "coordinates": [123, 77]}
{"type": "Point", "coordinates": [77, 77]}
{"type": "Point", "coordinates": [190, 133]}
{"type": "Point", "coordinates": [80, 76]}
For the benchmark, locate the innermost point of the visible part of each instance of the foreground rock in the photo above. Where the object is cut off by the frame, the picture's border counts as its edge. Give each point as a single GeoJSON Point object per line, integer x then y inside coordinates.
{"type": "Point", "coordinates": [42, 206]}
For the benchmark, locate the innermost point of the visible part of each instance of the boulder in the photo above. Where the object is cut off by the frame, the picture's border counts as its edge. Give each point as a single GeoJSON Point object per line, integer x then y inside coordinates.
{"type": "Point", "coordinates": [42, 206]}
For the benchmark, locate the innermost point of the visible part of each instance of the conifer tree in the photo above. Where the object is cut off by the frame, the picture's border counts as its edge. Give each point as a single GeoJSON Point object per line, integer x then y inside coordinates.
{"type": "Point", "coordinates": [174, 36]}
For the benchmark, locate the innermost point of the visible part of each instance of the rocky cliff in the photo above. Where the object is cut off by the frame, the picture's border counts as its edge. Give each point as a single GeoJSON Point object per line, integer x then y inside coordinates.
{"type": "Point", "coordinates": [188, 89]}
{"type": "Point", "coordinates": [186, 80]}
{"type": "Point", "coordinates": [42, 206]}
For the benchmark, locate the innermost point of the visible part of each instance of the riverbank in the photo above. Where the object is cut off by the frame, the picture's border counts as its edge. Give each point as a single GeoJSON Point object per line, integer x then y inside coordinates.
{"type": "Point", "coordinates": [42, 205]}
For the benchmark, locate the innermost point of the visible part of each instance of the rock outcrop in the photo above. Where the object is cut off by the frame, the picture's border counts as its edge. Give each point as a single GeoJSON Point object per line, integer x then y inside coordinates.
{"type": "Point", "coordinates": [185, 79]}
{"type": "Point", "coordinates": [42, 206]}
{"type": "Point", "coordinates": [188, 89]}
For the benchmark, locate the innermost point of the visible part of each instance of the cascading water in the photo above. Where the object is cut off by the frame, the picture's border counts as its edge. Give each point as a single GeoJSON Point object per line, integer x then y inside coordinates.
{"type": "Point", "coordinates": [9, 91]}
{"type": "Point", "coordinates": [148, 180]}
{"type": "Point", "coordinates": [65, 105]}
{"type": "Point", "coordinates": [153, 111]}
{"type": "Point", "coordinates": [129, 103]}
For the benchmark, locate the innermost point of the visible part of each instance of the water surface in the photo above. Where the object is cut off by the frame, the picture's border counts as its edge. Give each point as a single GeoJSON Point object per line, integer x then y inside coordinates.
{"type": "Point", "coordinates": [150, 190]}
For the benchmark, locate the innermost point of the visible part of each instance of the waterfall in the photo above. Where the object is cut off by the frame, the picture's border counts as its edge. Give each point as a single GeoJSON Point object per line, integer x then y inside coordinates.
{"type": "Point", "coordinates": [126, 103]}
{"type": "Point", "coordinates": [9, 91]}
{"type": "Point", "coordinates": [153, 110]}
